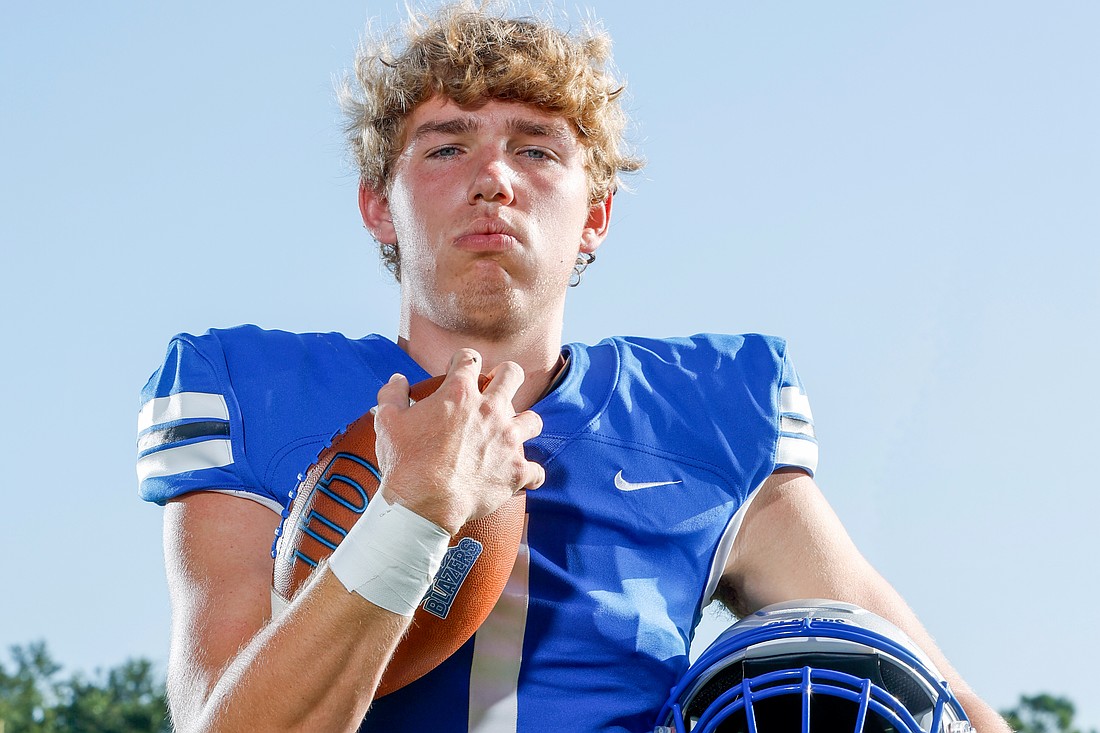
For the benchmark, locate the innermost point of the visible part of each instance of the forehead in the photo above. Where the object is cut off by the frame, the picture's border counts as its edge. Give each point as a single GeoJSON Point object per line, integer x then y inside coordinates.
{"type": "Point", "coordinates": [442, 115]}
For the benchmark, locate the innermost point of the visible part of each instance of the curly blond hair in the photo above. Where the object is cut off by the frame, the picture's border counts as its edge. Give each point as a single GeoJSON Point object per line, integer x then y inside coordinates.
{"type": "Point", "coordinates": [471, 54]}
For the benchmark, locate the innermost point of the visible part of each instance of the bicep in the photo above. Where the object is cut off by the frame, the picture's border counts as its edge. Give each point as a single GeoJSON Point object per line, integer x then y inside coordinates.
{"type": "Point", "coordinates": [217, 551]}
{"type": "Point", "coordinates": [792, 545]}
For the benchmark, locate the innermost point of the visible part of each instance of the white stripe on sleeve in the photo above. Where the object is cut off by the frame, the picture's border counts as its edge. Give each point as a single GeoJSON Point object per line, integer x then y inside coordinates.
{"type": "Point", "coordinates": [182, 406]}
{"type": "Point", "coordinates": [191, 457]}
{"type": "Point", "coordinates": [797, 452]}
{"type": "Point", "coordinates": [498, 653]}
{"type": "Point", "coordinates": [792, 400]}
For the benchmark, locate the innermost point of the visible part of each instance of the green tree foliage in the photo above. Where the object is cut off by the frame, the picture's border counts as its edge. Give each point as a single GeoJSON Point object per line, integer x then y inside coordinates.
{"type": "Point", "coordinates": [35, 699]}
{"type": "Point", "coordinates": [1043, 713]}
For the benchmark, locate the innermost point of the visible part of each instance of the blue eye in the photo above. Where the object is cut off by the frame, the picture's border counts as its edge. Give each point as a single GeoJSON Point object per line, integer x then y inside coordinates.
{"type": "Point", "coordinates": [535, 154]}
{"type": "Point", "coordinates": [449, 151]}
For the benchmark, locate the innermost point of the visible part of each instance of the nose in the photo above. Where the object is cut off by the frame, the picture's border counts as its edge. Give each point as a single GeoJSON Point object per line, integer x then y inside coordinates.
{"type": "Point", "coordinates": [492, 183]}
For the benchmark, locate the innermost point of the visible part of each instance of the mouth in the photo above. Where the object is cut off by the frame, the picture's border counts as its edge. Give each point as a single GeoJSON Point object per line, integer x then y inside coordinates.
{"type": "Point", "coordinates": [488, 235]}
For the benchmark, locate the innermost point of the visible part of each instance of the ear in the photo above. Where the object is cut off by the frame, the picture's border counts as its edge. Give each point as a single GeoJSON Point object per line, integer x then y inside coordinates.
{"type": "Point", "coordinates": [595, 227]}
{"type": "Point", "coordinates": [376, 214]}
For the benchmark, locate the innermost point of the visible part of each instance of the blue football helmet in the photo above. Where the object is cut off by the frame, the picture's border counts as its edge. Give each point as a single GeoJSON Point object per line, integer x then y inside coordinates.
{"type": "Point", "coordinates": [812, 665]}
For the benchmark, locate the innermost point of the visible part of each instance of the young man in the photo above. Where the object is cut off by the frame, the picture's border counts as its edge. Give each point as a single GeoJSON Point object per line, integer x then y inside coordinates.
{"type": "Point", "coordinates": [667, 471]}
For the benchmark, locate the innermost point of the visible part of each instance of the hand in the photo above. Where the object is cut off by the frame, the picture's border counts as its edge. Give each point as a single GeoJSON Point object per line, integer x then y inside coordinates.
{"type": "Point", "coordinates": [457, 454]}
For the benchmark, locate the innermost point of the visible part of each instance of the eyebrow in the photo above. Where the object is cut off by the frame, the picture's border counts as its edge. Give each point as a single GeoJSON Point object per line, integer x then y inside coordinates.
{"type": "Point", "coordinates": [539, 129]}
{"type": "Point", "coordinates": [455, 126]}
{"type": "Point", "coordinates": [516, 126]}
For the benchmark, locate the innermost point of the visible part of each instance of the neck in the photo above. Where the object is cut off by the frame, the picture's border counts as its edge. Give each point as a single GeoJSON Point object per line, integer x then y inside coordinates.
{"type": "Point", "coordinates": [538, 354]}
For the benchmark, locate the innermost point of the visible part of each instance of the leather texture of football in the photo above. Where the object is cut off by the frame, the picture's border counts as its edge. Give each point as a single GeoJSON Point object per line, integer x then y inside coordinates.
{"type": "Point", "coordinates": [333, 494]}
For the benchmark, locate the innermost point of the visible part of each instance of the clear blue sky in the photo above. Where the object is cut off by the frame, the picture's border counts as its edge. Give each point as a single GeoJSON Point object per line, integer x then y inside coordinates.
{"type": "Point", "coordinates": [909, 192]}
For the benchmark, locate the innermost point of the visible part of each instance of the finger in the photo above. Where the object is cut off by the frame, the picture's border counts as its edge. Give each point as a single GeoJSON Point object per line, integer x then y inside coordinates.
{"type": "Point", "coordinates": [536, 476]}
{"type": "Point", "coordinates": [394, 394]}
{"type": "Point", "coordinates": [464, 369]}
{"type": "Point", "coordinates": [529, 424]}
{"type": "Point", "coordinates": [506, 380]}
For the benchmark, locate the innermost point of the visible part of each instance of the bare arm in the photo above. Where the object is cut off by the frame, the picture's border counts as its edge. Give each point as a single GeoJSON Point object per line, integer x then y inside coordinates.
{"type": "Point", "coordinates": [314, 668]}
{"type": "Point", "coordinates": [453, 456]}
{"type": "Point", "coordinates": [792, 545]}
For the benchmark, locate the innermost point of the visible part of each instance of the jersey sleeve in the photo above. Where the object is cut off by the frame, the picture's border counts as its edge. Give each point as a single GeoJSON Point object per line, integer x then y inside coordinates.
{"type": "Point", "coordinates": [797, 443]}
{"type": "Point", "coordinates": [190, 432]}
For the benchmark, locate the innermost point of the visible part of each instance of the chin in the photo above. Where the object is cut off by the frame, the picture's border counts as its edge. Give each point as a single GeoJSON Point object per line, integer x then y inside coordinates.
{"type": "Point", "coordinates": [495, 309]}
{"type": "Point", "coordinates": [483, 310]}
{"type": "Point", "coordinates": [489, 315]}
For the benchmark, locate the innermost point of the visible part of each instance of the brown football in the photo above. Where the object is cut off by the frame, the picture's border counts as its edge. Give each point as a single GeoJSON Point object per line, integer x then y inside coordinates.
{"type": "Point", "coordinates": [333, 494]}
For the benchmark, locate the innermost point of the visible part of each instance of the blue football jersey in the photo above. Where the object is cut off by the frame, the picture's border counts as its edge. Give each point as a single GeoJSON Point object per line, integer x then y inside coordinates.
{"type": "Point", "coordinates": [653, 448]}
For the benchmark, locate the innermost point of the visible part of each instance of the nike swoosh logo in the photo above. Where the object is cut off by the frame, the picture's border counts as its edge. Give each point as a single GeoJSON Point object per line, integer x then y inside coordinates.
{"type": "Point", "coordinates": [623, 485]}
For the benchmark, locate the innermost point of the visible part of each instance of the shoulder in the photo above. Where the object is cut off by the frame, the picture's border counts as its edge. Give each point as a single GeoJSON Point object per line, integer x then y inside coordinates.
{"type": "Point", "coordinates": [743, 386]}
{"type": "Point", "coordinates": [244, 409]}
{"type": "Point", "coordinates": [707, 360]}
{"type": "Point", "coordinates": [255, 344]}
{"type": "Point", "coordinates": [730, 382]}
{"type": "Point", "coordinates": [214, 348]}
{"type": "Point", "coordinates": [703, 345]}
{"type": "Point", "coordinates": [212, 360]}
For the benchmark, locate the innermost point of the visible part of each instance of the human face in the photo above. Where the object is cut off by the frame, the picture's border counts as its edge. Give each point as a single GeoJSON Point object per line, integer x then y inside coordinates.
{"type": "Point", "coordinates": [490, 208]}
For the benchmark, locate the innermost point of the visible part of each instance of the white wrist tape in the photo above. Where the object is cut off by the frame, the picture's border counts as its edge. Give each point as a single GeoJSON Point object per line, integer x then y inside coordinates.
{"type": "Point", "coordinates": [390, 556]}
